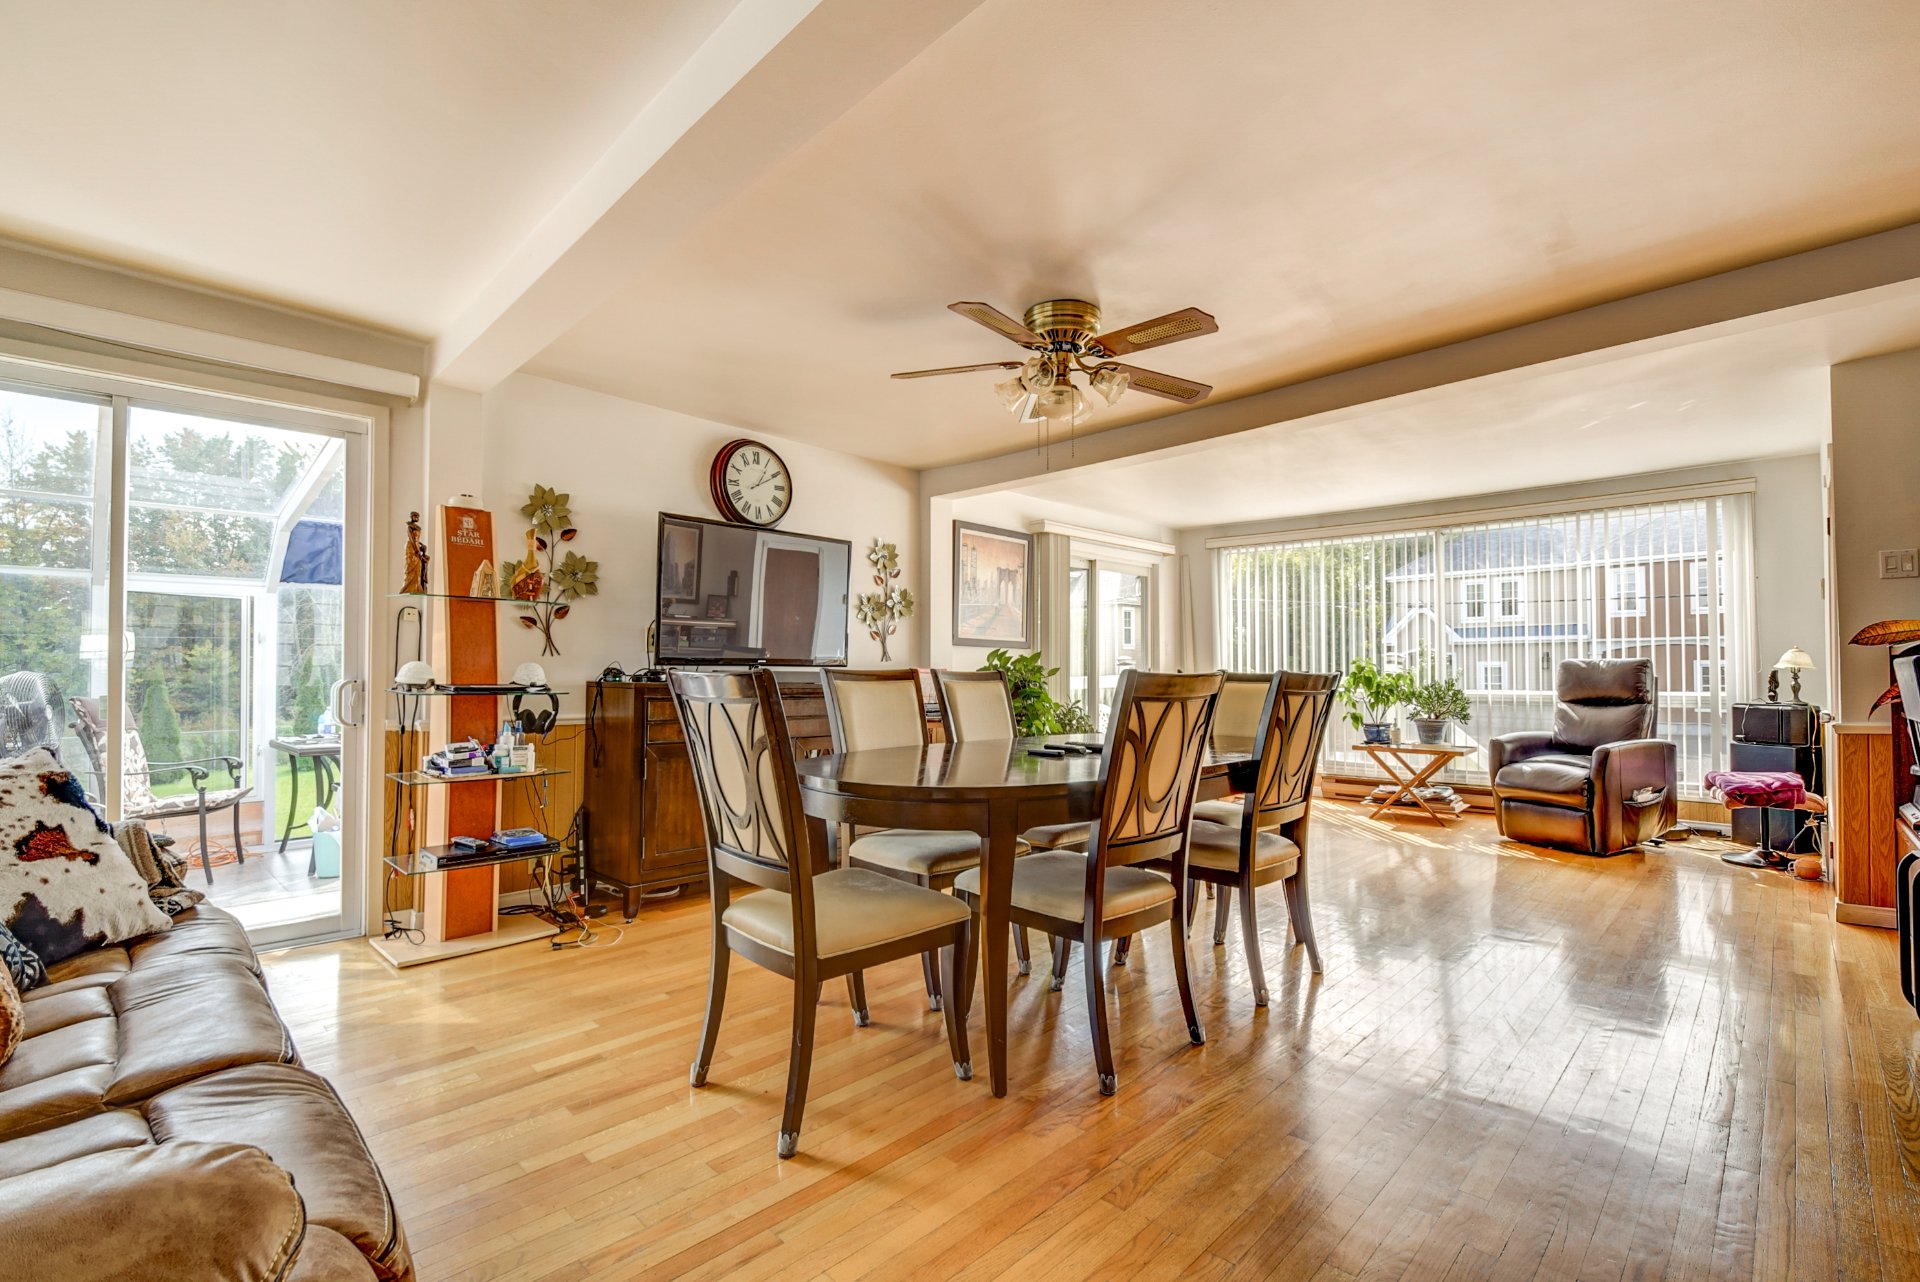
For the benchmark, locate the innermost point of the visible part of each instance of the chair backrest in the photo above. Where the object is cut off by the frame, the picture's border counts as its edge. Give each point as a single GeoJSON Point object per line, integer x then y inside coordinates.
{"type": "Point", "coordinates": [1604, 701]}
{"type": "Point", "coordinates": [136, 780]}
{"type": "Point", "coordinates": [743, 771]}
{"type": "Point", "coordinates": [1156, 737]}
{"type": "Point", "coordinates": [975, 705]}
{"type": "Point", "coordinates": [881, 709]}
{"type": "Point", "coordinates": [1293, 722]}
{"type": "Point", "coordinates": [1241, 712]}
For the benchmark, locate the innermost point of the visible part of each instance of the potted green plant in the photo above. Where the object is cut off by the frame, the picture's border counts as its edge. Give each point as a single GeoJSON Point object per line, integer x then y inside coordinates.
{"type": "Point", "coordinates": [1435, 705]}
{"type": "Point", "coordinates": [1371, 694]}
{"type": "Point", "coordinates": [1035, 710]}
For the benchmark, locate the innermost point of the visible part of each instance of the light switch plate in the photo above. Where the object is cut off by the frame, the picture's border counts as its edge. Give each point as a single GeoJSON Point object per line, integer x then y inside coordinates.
{"type": "Point", "coordinates": [1900, 563]}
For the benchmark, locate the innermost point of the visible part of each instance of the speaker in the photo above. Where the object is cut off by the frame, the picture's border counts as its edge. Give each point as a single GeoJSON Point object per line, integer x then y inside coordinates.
{"type": "Point", "coordinates": [1794, 723]}
{"type": "Point", "coordinates": [1789, 827]}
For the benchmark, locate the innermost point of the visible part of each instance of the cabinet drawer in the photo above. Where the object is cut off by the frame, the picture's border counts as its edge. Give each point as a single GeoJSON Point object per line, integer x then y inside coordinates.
{"type": "Point", "coordinates": [663, 723]}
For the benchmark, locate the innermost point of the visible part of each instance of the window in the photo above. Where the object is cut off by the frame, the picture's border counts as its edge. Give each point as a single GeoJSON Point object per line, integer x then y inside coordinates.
{"type": "Point", "coordinates": [1502, 602]}
{"type": "Point", "coordinates": [1509, 604]}
{"type": "Point", "coordinates": [1129, 627]}
{"type": "Point", "coordinates": [1697, 587]}
{"type": "Point", "coordinates": [1627, 591]}
{"type": "Point", "coordinates": [1476, 598]}
{"type": "Point", "coordinates": [1704, 673]}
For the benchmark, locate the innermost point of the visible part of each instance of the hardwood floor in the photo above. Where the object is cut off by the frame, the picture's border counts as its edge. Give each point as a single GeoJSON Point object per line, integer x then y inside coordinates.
{"type": "Point", "coordinates": [1519, 1063]}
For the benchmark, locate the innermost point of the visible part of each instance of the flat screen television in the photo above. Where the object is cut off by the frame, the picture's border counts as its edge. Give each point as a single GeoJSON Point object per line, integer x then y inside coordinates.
{"type": "Point", "coordinates": [736, 594]}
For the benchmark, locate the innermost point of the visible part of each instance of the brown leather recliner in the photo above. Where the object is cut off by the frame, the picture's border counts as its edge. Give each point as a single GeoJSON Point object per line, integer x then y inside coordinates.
{"type": "Point", "coordinates": [1600, 781]}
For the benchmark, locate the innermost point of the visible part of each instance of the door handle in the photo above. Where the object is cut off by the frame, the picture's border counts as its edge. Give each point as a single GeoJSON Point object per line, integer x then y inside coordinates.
{"type": "Point", "coordinates": [346, 701]}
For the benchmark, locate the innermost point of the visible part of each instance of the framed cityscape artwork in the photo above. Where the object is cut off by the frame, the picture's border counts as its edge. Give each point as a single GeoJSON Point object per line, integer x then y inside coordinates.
{"type": "Point", "coordinates": [992, 587]}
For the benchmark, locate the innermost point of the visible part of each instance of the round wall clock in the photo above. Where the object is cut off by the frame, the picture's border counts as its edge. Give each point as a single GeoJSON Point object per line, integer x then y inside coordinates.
{"type": "Point", "coordinates": [751, 484]}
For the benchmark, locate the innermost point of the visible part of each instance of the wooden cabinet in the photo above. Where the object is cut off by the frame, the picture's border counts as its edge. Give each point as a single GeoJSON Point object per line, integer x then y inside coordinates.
{"type": "Point", "coordinates": [642, 828]}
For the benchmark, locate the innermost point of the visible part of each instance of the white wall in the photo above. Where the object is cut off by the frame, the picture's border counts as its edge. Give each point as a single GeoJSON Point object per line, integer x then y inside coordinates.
{"type": "Point", "coordinates": [1789, 551]}
{"type": "Point", "coordinates": [1876, 506]}
{"type": "Point", "coordinates": [624, 463]}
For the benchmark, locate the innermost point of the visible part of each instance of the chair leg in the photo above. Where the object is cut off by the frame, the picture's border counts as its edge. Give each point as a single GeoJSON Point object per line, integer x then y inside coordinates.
{"type": "Point", "coordinates": [206, 856]}
{"type": "Point", "coordinates": [239, 846]}
{"type": "Point", "coordinates": [1021, 952]}
{"type": "Point", "coordinates": [1193, 901]}
{"type": "Point", "coordinates": [956, 957]}
{"type": "Point", "coordinates": [1250, 933]}
{"type": "Point", "coordinates": [1195, 1033]}
{"type": "Point", "coordinates": [1097, 1010]}
{"type": "Point", "coordinates": [716, 1000]}
{"type": "Point", "coordinates": [806, 1003]}
{"type": "Point", "coordinates": [1122, 949]}
{"type": "Point", "coordinates": [1301, 914]}
{"type": "Point", "coordinates": [1061, 946]}
{"type": "Point", "coordinates": [857, 998]}
{"type": "Point", "coordinates": [930, 962]}
{"type": "Point", "coordinates": [1222, 905]}
{"type": "Point", "coordinates": [969, 968]}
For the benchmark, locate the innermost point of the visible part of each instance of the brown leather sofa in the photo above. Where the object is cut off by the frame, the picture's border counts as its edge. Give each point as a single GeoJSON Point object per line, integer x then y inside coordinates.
{"type": "Point", "coordinates": [155, 1123]}
{"type": "Point", "coordinates": [1600, 781]}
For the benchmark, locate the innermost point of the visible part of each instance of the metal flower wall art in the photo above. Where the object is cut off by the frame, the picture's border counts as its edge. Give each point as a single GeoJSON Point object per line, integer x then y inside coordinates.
{"type": "Point", "coordinates": [546, 580]}
{"type": "Point", "coordinates": [882, 610]}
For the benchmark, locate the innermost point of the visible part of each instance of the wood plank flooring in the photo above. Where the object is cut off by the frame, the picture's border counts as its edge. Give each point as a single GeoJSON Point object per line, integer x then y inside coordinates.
{"type": "Point", "coordinates": [1518, 1064]}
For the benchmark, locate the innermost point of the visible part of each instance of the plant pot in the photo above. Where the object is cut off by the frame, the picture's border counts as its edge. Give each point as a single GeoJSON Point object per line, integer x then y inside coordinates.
{"type": "Point", "coordinates": [1376, 732]}
{"type": "Point", "coordinates": [1431, 729]}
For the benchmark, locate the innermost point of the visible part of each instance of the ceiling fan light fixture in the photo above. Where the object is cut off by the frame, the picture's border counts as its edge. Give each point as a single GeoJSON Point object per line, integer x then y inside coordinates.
{"type": "Point", "coordinates": [1110, 383]}
{"type": "Point", "coordinates": [1059, 404]}
{"type": "Point", "coordinates": [1037, 374]}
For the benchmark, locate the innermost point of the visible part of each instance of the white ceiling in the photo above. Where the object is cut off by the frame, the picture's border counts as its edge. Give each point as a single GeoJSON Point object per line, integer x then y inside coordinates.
{"type": "Point", "coordinates": [373, 160]}
{"type": "Point", "coordinates": [1757, 393]}
{"type": "Point", "coordinates": [1336, 183]}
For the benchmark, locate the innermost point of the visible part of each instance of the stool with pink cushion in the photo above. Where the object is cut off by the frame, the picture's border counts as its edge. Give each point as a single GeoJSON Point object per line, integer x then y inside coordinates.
{"type": "Point", "coordinates": [1771, 790]}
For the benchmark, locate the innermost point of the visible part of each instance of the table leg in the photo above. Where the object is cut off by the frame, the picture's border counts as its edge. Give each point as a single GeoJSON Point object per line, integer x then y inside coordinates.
{"type": "Point", "coordinates": [1393, 765]}
{"type": "Point", "coordinates": [996, 890]}
{"type": "Point", "coordinates": [293, 807]}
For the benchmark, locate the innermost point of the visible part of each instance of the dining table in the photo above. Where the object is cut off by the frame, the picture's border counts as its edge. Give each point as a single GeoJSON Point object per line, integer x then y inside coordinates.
{"type": "Point", "coordinates": [998, 788]}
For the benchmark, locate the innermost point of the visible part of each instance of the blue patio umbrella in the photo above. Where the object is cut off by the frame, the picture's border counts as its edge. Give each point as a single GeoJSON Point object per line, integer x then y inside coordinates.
{"type": "Point", "coordinates": [315, 553]}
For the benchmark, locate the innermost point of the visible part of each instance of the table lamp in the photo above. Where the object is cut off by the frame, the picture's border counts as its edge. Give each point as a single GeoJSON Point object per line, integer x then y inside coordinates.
{"type": "Point", "coordinates": [1796, 661]}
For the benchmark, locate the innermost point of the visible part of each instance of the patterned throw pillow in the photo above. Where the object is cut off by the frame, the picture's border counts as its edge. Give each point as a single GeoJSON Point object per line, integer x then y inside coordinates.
{"type": "Point", "coordinates": [22, 964]}
{"type": "Point", "coordinates": [65, 885]}
{"type": "Point", "coordinates": [13, 1018]}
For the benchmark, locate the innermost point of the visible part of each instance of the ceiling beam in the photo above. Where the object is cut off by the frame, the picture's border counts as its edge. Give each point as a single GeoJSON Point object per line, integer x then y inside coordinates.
{"type": "Point", "coordinates": [774, 74]}
{"type": "Point", "coordinates": [1732, 301]}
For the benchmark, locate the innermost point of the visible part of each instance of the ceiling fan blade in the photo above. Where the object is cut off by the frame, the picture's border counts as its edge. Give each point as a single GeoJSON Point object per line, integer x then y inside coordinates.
{"type": "Point", "coordinates": [957, 369]}
{"type": "Point", "coordinates": [999, 322]}
{"type": "Point", "coordinates": [1188, 322]}
{"type": "Point", "coordinates": [1174, 388]}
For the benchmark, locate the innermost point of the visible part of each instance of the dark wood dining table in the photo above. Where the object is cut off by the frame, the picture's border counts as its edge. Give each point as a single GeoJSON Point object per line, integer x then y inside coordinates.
{"type": "Point", "coordinates": [996, 788]}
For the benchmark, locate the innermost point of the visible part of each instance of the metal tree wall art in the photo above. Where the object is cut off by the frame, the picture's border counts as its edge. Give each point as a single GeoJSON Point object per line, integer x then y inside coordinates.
{"type": "Point", "coordinates": [549, 586]}
{"type": "Point", "coordinates": [882, 610]}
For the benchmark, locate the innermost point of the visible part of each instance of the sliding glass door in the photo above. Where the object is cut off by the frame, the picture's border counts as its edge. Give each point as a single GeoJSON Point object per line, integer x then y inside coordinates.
{"type": "Point", "coordinates": [1110, 612]}
{"type": "Point", "coordinates": [189, 680]}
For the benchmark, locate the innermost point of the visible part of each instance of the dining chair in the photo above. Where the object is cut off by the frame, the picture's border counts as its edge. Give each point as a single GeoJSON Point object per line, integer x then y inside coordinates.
{"type": "Point", "coordinates": [884, 709]}
{"type": "Point", "coordinates": [807, 921]}
{"type": "Point", "coordinates": [1265, 837]}
{"type": "Point", "coordinates": [1149, 768]}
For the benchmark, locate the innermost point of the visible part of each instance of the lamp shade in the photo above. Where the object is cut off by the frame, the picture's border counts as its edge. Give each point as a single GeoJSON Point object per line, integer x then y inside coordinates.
{"type": "Point", "coordinates": [1795, 658]}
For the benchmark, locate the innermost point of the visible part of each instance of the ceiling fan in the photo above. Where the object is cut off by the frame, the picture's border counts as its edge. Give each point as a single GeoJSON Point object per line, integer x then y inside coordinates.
{"type": "Point", "coordinates": [1065, 338]}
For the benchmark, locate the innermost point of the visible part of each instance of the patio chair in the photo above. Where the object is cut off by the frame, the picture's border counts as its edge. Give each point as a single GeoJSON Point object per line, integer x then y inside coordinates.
{"type": "Point", "coordinates": [137, 799]}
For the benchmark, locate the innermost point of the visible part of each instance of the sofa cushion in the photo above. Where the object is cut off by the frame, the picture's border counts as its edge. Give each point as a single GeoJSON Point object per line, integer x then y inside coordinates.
{"type": "Point", "coordinates": [118, 1128]}
{"type": "Point", "coordinates": [192, 1016]}
{"type": "Point", "coordinates": [96, 969]}
{"type": "Point", "coordinates": [57, 1010]}
{"type": "Point", "coordinates": [169, 1213]}
{"type": "Point", "coordinates": [1556, 778]}
{"type": "Point", "coordinates": [325, 1256]}
{"type": "Point", "coordinates": [57, 1077]}
{"type": "Point", "coordinates": [297, 1119]}
{"type": "Point", "coordinates": [201, 929]}
{"type": "Point", "coordinates": [65, 884]}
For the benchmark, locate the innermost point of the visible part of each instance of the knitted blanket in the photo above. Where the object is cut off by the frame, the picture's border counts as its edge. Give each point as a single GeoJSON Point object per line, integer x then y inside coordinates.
{"type": "Point", "coordinates": [164, 873]}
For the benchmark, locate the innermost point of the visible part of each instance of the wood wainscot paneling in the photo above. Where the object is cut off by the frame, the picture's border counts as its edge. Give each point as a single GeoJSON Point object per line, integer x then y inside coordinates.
{"type": "Point", "coordinates": [1865, 846]}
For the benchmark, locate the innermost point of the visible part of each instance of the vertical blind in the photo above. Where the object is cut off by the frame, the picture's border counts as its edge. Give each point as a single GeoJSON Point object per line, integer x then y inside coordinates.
{"type": "Point", "coordinates": [1499, 603]}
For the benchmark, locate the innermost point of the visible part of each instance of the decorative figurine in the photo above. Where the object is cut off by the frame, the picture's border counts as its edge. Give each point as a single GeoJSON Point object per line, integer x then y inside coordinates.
{"type": "Point", "coordinates": [416, 556]}
{"type": "Point", "coordinates": [527, 579]}
{"type": "Point", "coordinates": [482, 585]}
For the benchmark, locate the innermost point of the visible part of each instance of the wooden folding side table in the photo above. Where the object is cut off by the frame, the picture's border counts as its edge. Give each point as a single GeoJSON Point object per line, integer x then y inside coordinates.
{"type": "Point", "coordinates": [1409, 766]}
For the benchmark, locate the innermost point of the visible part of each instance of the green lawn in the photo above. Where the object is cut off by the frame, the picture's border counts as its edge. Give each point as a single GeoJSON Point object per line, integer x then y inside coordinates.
{"type": "Point", "coordinates": [282, 788]}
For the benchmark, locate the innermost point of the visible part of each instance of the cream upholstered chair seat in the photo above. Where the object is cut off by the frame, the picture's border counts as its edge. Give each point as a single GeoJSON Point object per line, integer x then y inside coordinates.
{"type": "Point", "coordinates": [924, 852]}
{"type": "Point", "coordinates": [1211, 845]}
{"type": "Point", "coordinates": [1055, 883]}
{"type": "Point", "coordinates": [1059, 836]}
{"type": "Point", "coordinates": [1226, 812]}
{"type": "Point", "coordinates": [852, 909]}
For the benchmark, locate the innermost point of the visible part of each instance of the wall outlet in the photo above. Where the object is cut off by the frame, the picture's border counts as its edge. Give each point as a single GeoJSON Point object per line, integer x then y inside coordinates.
{"type": "Point", "coordinates": [1900, 563]}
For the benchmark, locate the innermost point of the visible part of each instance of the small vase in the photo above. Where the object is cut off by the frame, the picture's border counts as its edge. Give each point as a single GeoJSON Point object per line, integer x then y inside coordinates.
{"type": "Point", "coordinates": [1376, 732]}
{"type": "Point", "coordinates": [1430, 729]}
